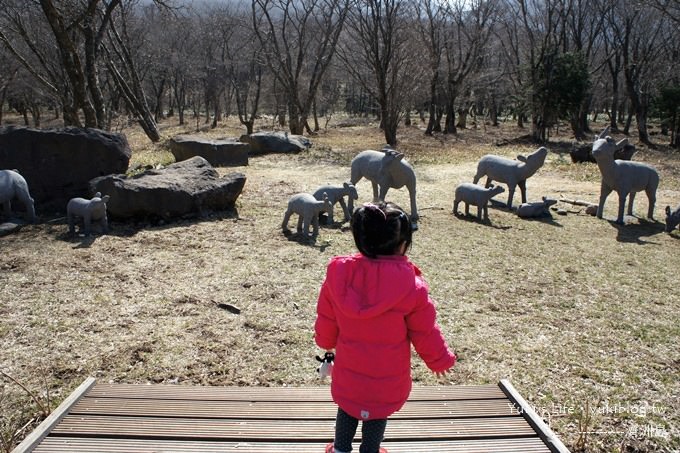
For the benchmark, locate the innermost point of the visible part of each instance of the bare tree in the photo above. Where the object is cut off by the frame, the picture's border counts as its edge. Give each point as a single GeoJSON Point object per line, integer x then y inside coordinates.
{"type": "Point", "coordinates": [636, 31]}
{"type": "Point", "coordinates": [299, 38]}
{"type": "Point", "coordinates": [377, 52]}
{"type": "Point", "coordinates": [469, 27]}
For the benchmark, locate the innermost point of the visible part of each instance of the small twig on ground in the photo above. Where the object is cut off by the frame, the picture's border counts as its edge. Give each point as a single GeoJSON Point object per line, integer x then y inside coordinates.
{"type": "Point", "coordinates": [45, 411]}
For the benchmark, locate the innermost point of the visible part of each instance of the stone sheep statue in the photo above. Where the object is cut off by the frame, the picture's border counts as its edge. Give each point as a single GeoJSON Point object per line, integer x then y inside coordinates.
{"type": "Point", "coordinates": [308, 209]}
{"type": "Point", "coordinates": [13, 185]}
{"type": "Point", "coordinates": [93, 210]}
{"type": "Point", "coordinates": [511, 172]}
{"type": "Point", "coordinates": [337, 194]}
{"type": "Point", "coordinates": [672, 219]}
{"type": "Point", "coordinates": [536, 209]}
{"type": "Point", "coordinates": [624, 177]}
{"type": "Point", "coordinates": [472, 194]}
{"type": "Point", "coordinates": [385, 169]}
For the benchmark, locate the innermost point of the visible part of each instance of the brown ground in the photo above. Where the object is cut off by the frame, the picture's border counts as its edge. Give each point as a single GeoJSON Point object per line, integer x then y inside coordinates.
{"type": "Point", "coordinates": [580, 314]}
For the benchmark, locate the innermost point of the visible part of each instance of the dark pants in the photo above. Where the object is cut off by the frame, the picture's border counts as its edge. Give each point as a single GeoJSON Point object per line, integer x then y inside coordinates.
{"type": "Point", "coordinates": [372, 432]}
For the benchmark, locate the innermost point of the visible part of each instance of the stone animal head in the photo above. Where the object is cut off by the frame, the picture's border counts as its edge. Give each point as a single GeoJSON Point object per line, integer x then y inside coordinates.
{"type": "Point", "coordinates": [327, 205]}
{"type": "Point", "coordinates": [495, 190]}
{"type": "Point", "coordinates": [672, 219]}
{"type": "Point", "coordinates": [351, 191]}
{"type": "Point", "coordinates": [535, 159]}
{"type": "Point", "coordinates": [549, 201]}
{"type": "Point", "coordinates": [606, 147]}
{"type": "Point", "coordinates": [391, 157]}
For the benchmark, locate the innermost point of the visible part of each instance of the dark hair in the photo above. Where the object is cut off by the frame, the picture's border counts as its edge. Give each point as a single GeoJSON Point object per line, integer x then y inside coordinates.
{"type": "Point", "coordinates": [380, 229]}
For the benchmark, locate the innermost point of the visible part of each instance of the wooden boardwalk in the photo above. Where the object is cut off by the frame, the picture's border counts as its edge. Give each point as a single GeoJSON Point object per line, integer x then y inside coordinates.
{"type": "Point", "coordinates": [174, 418]}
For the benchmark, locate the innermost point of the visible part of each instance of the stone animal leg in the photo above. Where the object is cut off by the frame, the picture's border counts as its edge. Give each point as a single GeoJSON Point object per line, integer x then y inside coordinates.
{"type": "Point", "coordinates": [631, 199]}
{"type": "Point", "coordinates": [480, 210]}
{"type": "Point", "coordinates": [302, 224]}
{"type": "Point", "coordinates": [622, 205]}
{"type": "Point", "coordinates": [488, 182]}
{"type": "Point", "coordinates": [375, 191]}
{"type": "Point", "coordinates": [604, 193]}
{"type": "Point", "coordinates": [414, 209]}
{"type": "Point", "coordinates": [467, 208]}
{"type": "Point", "coordinates": [87, 223]}
{"type": "Point", "coordinates": [455, 206]}
{"type": "Point", "coordinates": [485, 208]}
{"type": "Point", "coordinates": [315, 226]}
{"type": "Point", "coordinates": [383, 192]}
{"type": "Point", "coordinates": [286, 218]}
{"type": "Point", "coordinates": [345, 211]}
{"type": "Point", "coordinates": [523, 189]}
{"type": "Point", "coordinates": [651, 196]}
{"type": "Point", "coordinates": [511, 193]}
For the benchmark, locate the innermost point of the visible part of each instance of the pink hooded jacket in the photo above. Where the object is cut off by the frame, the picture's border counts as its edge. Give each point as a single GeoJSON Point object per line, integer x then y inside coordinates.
{"type": "Point", "coordinates": [370, 311]}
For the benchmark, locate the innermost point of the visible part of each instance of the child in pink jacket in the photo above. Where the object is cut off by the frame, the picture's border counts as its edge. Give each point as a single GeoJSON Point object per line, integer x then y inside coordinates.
{"type": "Point", "coordinates": [372, 306]}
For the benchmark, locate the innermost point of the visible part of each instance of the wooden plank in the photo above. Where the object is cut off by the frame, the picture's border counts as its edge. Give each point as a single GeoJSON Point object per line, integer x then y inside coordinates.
{"type": "Point", "coordinates": [316, 393]}
{"type": "Point", "coordinates": [84, 445]}
{"type": "Point", "coordinates": [38, 434]}
{"type": "Point", "coordinates": [283, 430]}
{"type": "Point", "coordinates": [279, 409]}
{"type": "Point", "coordinates": [544, 432]}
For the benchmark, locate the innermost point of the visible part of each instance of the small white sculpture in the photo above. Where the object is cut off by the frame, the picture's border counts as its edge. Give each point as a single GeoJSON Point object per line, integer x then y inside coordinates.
{"type": "Point", "coordinates": [337, 194]}
{"type": "Point", "coordinates": [672, 219]}
{"type": "Point", "coordinates": [93, 210]}
{"type": "Point", "coordinates": [624, 177]}
{"type": "Point", "coordinates": [472, 194]}
{"type": "Point", "coordinates": [308, 209]}
{"type": "Point", "coordinates": [511, 172]}
{"type": "Point", "coordinates": [13, 185]}
{"type": "Point", "coordinates": [385, 169]}
{"type": "Point", "coordinates": [536, 209]}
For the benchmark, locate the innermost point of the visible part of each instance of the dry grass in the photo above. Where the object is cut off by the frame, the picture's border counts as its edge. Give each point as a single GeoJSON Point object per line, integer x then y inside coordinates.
{"type": "Point", "coordinates": [580, 314]}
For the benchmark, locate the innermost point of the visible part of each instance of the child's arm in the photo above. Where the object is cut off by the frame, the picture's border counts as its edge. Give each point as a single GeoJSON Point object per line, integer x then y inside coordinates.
{"type": "Point", "coordinates": [427, 337]}
{"type": "Point", "coordinates": [325, 327]}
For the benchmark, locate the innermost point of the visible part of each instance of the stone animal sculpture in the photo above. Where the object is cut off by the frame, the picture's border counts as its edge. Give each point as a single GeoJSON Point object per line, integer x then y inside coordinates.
{"type": "Point", "coordinates": [672, 219]}
{"type": "Point", "coordinates": [385, 169]}
{"type": "Point", "coordinates": [511, 172]}
{"type": "Point", "coordinates": [337, 194]}
{"type": "Point", "coordinates": [625, 177]}
{"type": "Point", "coordinates": [536, 209]}
{"type": "Point", "coordinates": [472, 194]}
{"type": "Point", "coordinates": [308, 209]}
{"type": "Point", "coordinates": [93, 210]}
{"type": "Point", "coordinates": [13, 185]}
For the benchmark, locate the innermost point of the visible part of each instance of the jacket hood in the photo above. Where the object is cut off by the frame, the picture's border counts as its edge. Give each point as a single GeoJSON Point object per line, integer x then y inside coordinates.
{"type": "Point", "coordinates": [367, 287]}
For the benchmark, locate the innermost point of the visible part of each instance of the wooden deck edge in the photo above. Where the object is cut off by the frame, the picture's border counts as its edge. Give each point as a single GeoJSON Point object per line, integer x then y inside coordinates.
{"type": "Point", "coordinates": [542, 429]}
{"type": "Point", "coordinates": [38, 434]}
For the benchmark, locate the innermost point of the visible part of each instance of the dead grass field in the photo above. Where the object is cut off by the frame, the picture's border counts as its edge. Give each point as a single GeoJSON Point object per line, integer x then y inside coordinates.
{"type": "Point", "coordinates": [582, 315]}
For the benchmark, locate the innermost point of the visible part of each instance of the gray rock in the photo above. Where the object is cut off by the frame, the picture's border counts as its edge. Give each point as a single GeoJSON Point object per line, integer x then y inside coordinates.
{"type": "Point", "coordinates": [185, 189]}
{"type": "Point", "coordinates": [219, 153]}
{"type": "Point", "coordinates": [275, 142]}
{"type": "Point", "coordinates": [59, 163]}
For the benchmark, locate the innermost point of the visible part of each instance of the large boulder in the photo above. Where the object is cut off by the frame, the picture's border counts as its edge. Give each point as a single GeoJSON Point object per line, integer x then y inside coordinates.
{"type": "Point", "coordinates": [59, 163]}
{"type": "Point", "coordinates": [220, 153]}
{"type": "Point", "coordinates": [188, 188]}
{"type": "Point", "coordinates": [275, 142]}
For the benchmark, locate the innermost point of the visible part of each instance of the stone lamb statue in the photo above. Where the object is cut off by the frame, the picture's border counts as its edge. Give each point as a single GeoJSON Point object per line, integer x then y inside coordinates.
{"type": "Point", "coordinates": [472, 194]}
{"type": "Point", "coordinates": [337, 194]}
{"type": "Point", "coordinates": [624, 177]}
{"type": "Point", "coordinates": [385, 169]}
{"type": "Point", "coordinates": [672, 219]}
{"type": "Point", "coordinates": [536, 209]}
{"type": "Point", "coordinates": [511, 172]}
{"type": "Point", "coordinates": [13, 185]}
{"type": "Point", "coordinates": [93, 210]}
{"type": "Point", "coordinates": [308, 209]}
